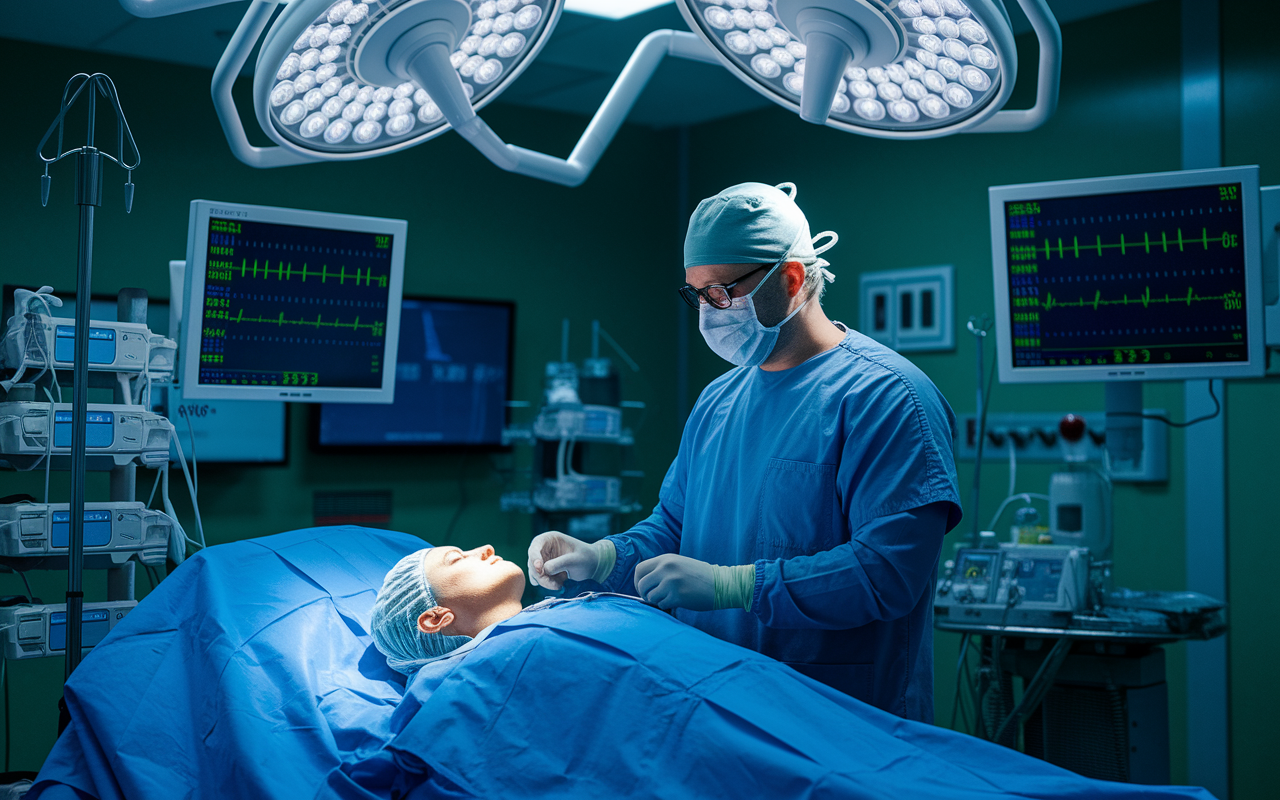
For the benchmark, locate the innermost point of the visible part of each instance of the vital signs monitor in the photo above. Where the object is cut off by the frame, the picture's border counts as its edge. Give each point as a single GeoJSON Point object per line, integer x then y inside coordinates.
{"type": "Point", "coordinates": [453, 381]}
{"type": "Point", "coordinates": [291, 305]}
{"type": "Point", "coordinates": [1138, 277]}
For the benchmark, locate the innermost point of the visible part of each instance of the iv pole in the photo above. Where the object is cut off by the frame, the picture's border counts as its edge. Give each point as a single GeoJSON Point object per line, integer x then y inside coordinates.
{"type": "Point", "coordinates": [88, 197]}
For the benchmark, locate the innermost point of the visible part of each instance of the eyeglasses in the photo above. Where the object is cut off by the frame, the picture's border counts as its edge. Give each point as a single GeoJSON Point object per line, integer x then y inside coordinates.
{"type": "Point", "coordinates": [717, 294]}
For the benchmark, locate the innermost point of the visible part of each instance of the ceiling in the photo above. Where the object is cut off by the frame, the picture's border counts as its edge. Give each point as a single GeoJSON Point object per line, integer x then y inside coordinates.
{"type": "Point", "coordinates": [572, 74]}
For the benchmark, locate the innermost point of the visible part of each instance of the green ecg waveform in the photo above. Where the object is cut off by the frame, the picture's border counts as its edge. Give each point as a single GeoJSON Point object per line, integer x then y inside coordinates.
{"type": "Point", "coordinates": [1030, 252]}
{"type": "Point", "coordinates": [1231, 301]}
{"type": "Point", "coordinates": [226, 270]}
{"type": "Point", "coordinates": [376, 328]}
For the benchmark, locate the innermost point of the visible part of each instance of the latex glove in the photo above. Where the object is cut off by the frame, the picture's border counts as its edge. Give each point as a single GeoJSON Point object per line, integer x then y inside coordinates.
{"type": "Point", "coordinates": [671, 581]}
{"type": "Point", "coordinates": [555, 557]}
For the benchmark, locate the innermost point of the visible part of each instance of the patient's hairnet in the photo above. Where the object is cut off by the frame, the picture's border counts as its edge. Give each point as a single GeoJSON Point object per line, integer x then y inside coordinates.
{"type": "Point", "coordinates": [751, 223]}
{"type": "Point", "coordinates": [404, 596]}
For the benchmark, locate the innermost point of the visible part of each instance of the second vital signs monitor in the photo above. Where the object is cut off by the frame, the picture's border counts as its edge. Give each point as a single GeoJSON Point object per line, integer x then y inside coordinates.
{"type": "Point", "coordinates": [291, 305]}
{"type": "Point", "coordinates": [1139, 277]}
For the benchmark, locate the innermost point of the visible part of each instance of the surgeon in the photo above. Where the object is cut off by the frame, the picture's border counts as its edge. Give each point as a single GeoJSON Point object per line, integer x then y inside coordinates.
{"type": "Point", "coordinates": [804, 513]}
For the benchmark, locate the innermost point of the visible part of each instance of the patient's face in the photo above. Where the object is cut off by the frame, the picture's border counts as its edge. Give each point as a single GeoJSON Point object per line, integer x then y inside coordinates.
{"type": "Point", "coordinates": [472, 582]}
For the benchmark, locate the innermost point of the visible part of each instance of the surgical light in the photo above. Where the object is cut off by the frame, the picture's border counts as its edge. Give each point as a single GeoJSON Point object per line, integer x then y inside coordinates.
{"type": "Point", "coordinates": [343, 47]}
{"type": "Point", "coordinates": [960, 55]}
{"type": "Point", "coordinates": [341, 80]}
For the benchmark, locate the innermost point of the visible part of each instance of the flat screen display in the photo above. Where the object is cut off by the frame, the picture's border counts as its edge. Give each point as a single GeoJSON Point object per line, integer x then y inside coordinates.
{"type": "Point", "coordinates": [1146, 276]}
{"type": "Point", "coordinates": [286, 304]}
{"type": "Point", "coordinates": [453, 378]}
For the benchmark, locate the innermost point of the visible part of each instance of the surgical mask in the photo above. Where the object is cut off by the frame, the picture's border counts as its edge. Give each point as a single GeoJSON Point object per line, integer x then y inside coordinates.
{"type": "Point", "coordinates": [736, 333]}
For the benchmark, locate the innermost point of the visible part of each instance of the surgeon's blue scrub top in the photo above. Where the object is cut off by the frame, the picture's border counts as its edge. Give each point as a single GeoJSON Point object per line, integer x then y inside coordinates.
{"type": "Point", "coordinates": [836, 479]}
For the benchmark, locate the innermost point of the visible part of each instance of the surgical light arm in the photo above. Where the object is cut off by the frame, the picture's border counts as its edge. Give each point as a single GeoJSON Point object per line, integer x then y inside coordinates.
{"type": "Point", "coordinates": [224, 77]}
{"type": "Point", "coordinates": [163, 8]}
{"type": "Point", "coordinates": [1049, 36]}
{"type": "Point", "coordinates": [430, 68]}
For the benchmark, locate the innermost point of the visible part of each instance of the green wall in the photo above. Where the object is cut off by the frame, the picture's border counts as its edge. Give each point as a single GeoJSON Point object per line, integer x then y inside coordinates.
{"type": "Point", "coordinates": [1251, 122]}
{"type": "Point", "coordinates": [909, 204]}
{"type": "Point", "coordinates": [478, 232]}
{"type": "Point", "coordinates": [606, 250]}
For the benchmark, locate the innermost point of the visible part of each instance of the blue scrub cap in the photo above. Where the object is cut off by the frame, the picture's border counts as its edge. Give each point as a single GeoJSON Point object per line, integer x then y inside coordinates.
{"type": "Point", "coordinates": [404, 596]}
{"type": "Point", "coordinates": [752, 223]}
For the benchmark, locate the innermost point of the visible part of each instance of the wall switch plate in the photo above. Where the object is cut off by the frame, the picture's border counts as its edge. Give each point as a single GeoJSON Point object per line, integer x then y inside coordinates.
{"type": "Point", "coordinates": [1035, 440]}
{"type": "Point", "coordinates": [910, 310]}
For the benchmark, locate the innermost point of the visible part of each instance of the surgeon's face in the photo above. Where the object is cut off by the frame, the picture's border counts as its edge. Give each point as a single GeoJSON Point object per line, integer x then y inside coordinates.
{"type": "Point", "coordinates": [472, 583]}
{"type": "Point", "coordinates": [772, 303]}
{"type": "Point", "coordinates": [726, 274]}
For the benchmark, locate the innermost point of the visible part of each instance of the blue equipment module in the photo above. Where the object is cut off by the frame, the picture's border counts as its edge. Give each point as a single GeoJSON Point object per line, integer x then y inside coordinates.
{"type": "Point", "coordinates": [102, 344]}
{"type": "Point", "coordinates": [95, 624]}
{"type": "Point", "coordinates": [97, 528]}
{"type": "Point", "coordinates": [99, 428]}
{"type": "Point", "coordinates": [453, 378]}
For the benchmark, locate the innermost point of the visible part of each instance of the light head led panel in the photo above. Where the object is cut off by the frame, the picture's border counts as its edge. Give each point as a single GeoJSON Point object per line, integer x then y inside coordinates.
{"type": "Point", "coordinates": [908, 69]}
{"type": "Point", "coordinates": [324, 85]}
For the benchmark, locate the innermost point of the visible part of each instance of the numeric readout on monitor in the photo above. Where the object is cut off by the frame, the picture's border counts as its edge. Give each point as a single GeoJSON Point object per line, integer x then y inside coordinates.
{"type": "Point", "coordinates": [287, 305]}
{"type": "Point", "coordinates": [1151, 277]}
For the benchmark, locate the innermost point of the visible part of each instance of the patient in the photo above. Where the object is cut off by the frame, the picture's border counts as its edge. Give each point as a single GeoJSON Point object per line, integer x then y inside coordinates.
{"type": "Point", "coordinates": [606, 696]}
{"type": "Point", "coordinates": [438, 599]}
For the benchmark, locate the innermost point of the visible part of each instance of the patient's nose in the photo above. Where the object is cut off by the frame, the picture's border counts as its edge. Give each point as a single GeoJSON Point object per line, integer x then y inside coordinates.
{"type": "Point", "coordinates": [483, 551]}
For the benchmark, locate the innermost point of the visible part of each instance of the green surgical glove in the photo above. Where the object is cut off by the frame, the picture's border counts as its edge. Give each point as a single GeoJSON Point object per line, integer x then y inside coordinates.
{"type": "Point", "coordinates": [735, 586]}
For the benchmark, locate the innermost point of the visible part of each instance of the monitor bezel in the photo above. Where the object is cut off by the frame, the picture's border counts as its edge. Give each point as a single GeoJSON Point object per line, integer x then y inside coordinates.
{"type": "Point", "coordinates": [193, 293]}
{"type": "Point", "coordinates": [1246, 176]}
{"type": "Point", "coordinates": [316, 446]}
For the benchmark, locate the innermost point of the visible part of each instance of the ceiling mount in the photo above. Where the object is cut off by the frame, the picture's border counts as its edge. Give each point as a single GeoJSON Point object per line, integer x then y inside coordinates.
{"type": "Point", "coordinates": [837, 34]}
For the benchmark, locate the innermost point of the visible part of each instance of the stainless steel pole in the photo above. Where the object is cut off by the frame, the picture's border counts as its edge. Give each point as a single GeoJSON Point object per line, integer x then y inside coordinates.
{"type": "Point", "coordinates": [88, 197]}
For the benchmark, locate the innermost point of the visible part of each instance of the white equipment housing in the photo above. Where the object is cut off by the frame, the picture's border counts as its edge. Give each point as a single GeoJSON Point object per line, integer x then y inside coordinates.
{"type": "Point", "coordinates": [37, 631]}
{"type": "Point", "coordinates": [577, 492]}
{"type": "Point", "coordinates": [588, 423]}
{"type": "Point", "coordinates": [1019, 585]}
{"type": "Point", "coordinates": [35, 535]}
{"type": "Point", "coordinates": [113, 347]}
{"type": "Point", "coordinates": [116, 435]}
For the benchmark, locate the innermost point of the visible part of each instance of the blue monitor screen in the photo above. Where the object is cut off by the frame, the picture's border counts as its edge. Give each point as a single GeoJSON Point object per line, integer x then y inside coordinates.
{"type": "Point", "coordinates": [1132, 278]}
{"type": "Point", "coordinates": [452, 382]}
{"type": "Point", "coordinates": [293, 305]}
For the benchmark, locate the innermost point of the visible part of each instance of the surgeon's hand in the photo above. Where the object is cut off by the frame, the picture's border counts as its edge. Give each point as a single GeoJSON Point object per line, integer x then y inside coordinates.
{"type": "Point", "coordinates": [671, 581]}
{"type": "Point", "coordinates": [555, 558]}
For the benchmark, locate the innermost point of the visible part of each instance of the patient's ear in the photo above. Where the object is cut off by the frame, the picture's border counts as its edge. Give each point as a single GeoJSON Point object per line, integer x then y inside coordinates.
{"type": "Point", "coordinates": [435, 620]}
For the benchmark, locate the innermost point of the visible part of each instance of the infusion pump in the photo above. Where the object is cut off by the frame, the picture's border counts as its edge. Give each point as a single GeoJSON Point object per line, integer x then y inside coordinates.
{"type": "Point", "coordinates": [127, 347]}
{"type": "Point", "coordinates": [1021, 585]}
{"type": "Point", "coordinates": [116, 435]}
{"type": "Point", "coordinates": [31, 630]}
{"type": "Point", "coordinates": [36, 535]}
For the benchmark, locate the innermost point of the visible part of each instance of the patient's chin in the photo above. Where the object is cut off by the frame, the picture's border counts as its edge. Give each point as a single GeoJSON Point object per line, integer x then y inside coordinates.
{"type": "Point", "coordinates": [513, 581]}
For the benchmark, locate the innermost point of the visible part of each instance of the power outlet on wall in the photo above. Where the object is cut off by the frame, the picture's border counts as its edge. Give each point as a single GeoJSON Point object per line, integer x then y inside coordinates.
{"type": "Point", "coordinates": [910, 310]}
